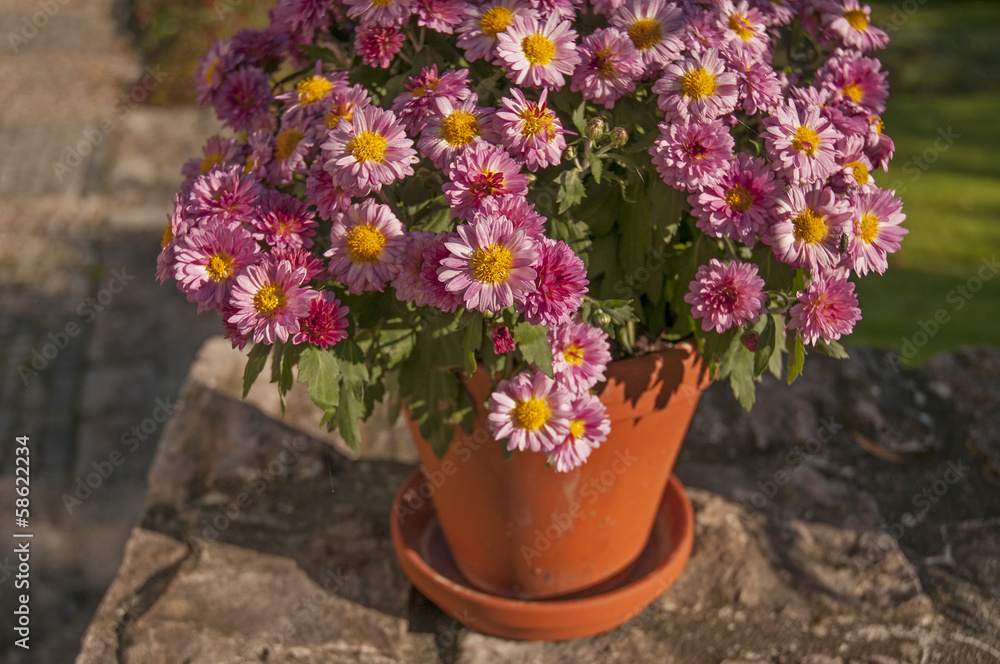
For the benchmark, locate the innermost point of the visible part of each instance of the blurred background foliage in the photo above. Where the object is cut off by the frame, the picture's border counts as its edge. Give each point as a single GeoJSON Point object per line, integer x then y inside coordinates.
{"type": "Point", "coordinates": [944, 64]}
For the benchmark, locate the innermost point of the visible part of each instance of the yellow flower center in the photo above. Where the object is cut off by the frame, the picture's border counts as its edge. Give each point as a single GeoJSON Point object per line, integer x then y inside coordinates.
{"type": "Point", "coordinates": [856, 18]}
{"type": "Point", "coordinates": [380, 3]}
{"type": "Point", "coordinates": [806, 140]}
{"type": "Point", "coordinates": [573, 354]}
{"type": "Point", "coordinates": [698, 83]}
{"type": "Point", "coordinates": [645, 33]}
{"type": "Point", "coordinates": [739, 24]}
{"type": "Point", "coordinates": [739, 198]}
{"type": "Point", "coordinates": [495, 20]}
{"type": "Point", "coordinates": [868, 227]}
{"type": "Point", "coordinates": [879, 125]}
{"type": "Point", "coordinates": [220, 266]}
{"type": "Point", "coordinates": [364, 244]}
{"type": "Point", "coordinates": [604, 65]}
{"type": "Point", "coordinates": [424, 89]}
{"type": "Point", "coordinates": [210, 72]}
{"type": "Point", "coordinates": [343, 110]}
{"type": "Point", "coordinates": [537, 121]}
{"type": "Point", "coordinates": [576, 428]}
{"type": "Point", "coordinates": [860, 172]}
{"type": "Point", "coordinates": [809, 227]}
{"type": "Point", "coordinates": [531, 415]}
{"type": "Point", "coordinates": [286, 142]}
{"type": "Point", "coordinates": [491, 264]}
{"type": "Point", "coordinates": [368, 146]}
{"type": "Point", "coordinates": [853, 91]}
{"type": "Point", "coordinates": [269, 300]}
{"type": "Point", "coordinates": [313, 89]}
{"type": "Point", "coordinates": [210, 162]}
{"type": "Point", "coordinates": [538, 49]}
{"type": "Point", "coordinates": [168, 235]}
{"type": "Point", "coordinates": [459, 128]}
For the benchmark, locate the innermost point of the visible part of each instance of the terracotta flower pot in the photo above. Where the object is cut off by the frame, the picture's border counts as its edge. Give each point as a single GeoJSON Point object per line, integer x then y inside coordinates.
{"type": "Point", "coordinates": [518, 529]}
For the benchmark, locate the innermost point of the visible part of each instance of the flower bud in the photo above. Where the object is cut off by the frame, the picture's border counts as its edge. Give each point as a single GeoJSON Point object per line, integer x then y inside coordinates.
{"type": "Point", "coordinates": [602, 319]}
{"type": "Point", "coordinates": [595, 127]}
{"type": "Point", "coordinates": [750, 342]}
{"type": "Point", "coordinates": [619, 137]}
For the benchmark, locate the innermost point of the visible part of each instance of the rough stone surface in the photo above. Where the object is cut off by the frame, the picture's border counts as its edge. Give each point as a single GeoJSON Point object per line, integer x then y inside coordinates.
{"type": "Point", "coordinates": [811, 547]}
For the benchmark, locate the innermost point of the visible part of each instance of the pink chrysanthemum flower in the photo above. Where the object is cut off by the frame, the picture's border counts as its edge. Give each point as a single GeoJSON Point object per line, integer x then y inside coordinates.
{"type": "Point", "coordinates": [453, 128]}
{"type": "Point", "coordinates": [232, 330]}
{"type": "Point", "coordinates": [744, 28]}
{"type": "Point", "coordinates": [300, 19]}
{"type": "Point", "coordinates": [477, 35]}
{"type": "Point", "coordinates": [328, 196]}
{"type": "Point", "coordinates": [698, 89]}
{"type": "Point", "coordinates": [580, 353]}
{"type": "Point", "coordinates": [855, 80]}
{"type": "Point", "coordinates": [490, 264]}
{"type": "Point", "coordinates": [609, 68]}
{"type": "Point", "coordinates": [851, 22]}
{"type": "Point", "coordinates": [218, 153]}
{"type": "Point", "coordinates": [282, 220]}
{"type": "Point", "coordinates": [827, 309]}
{"type": "Point", "coordinates": [877, 216]}
{"type": "Point", "coordinates": [264, 48]}
{"type": "Point", "coordinates": [178, 225]}
{"type": "Point", "coordinates": [484, 172]}
{"type": "Point", "coordinates": [588, 428]}
{"type": "Point", "coordinates": [801, 144]}
{"type": "Point", "coordinates": [260, 161]}
{"type": "Point", "coordinates": [531, 131]}
{"type": "Point", "coordinates": [776, 12]}
{"type": "Point", "coordinates": [269, 299]}
{"type": "Point", "coordinates": [854, 167]}
{"type": "Point", "coordinates": [560, 282]}
{"type": "Point", "coordinates": [522, 214]}
{"type": "Point", "coordinates": [293, 147]}
{"type": "Point", "coordinates": [606, 7]}
{"type": "Point", "coordinates": [224, 196]}
{"type": "Point", "coordinates": [567, 9]}
{"type": "Point", "coordinates": [878, 146]}
{"type": "Point", "coordinates": [325, 323]}
{"type": "Point", "coordinates": [739, 204]}
{"type": "Point", "coordinates": [702, 31]}
{"type": "Point", "coordinates": [530, 411]}
{"type": "Point", "coordinates": [212, 68]}
{"type": "Point", "coordinates": [378, 44]}
{"type": "Point", "coordinates": [208, 260]}
{"type": "Point", "coordinates": [440, 15]}
{"type": "Point", "coordinates": [655, 28]}
{"type": "Point", "coordinates": [692, 155]}
{"type": "Point", "coordinates": [436, 292]}
{"type": "Point", "coordinates": [414, 106]}
{"type": "Point", "coordinates": [242, 100]}
{"type": "Point", "coordinates": [366, 247]}
{"type": "Point", "coordinates": [382, 12]}
{"type": "Point", "coordinates": [808, 228]}
{"type": "Point", "coordinates": [725, 295]}
{"type": "Point", "coordinates": [409, 283]}
{"type": "Point", "coordinates": [369, 152]}
{"type": "Point", "coordinates": [538, 54]}
{"type": "Point", "coordinates": [503, 342]}
{"type": "Point", "coordinates": [342, 103]}
{"type": "Point", "coordinates": [299, 257]}
{"type": "Point", "coordinates": [759, 87]}
{"type": "Point", "coordinates": [306, 102]}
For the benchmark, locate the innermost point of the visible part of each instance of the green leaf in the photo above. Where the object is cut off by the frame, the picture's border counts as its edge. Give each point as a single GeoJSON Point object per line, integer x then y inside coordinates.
{"type": "Point", "coordinates": [320, 369]}
{"type": "Point", "coordinates": [256, 360]}
{"type": "Point", "coordinates": [571, 190]}
{"type": "Point", "coordinates": [765, 347]}
{"type": "Point", "coordinates": [349, 415]}
{"type": "Point", "coordinates": [832, 349]}
{"type": "Point", "coordinates": [596, 168]}
{"type": "Point", "coordinates": [533, 344]}
{"type": "Point", "coordinates": [471, 341]}
{"type": "Point", "coordinates": [796, 357]}
{"type": "Point", "coordinates": [313, 52]}
{"type": "Point", "coordinates": [579, 121]}
{"type": "Point", "coordinates": [776, 365]}
{"type": "Point", "coordinates": [279, 349]}
{"type": "Point", "coordinates": [353, 365]}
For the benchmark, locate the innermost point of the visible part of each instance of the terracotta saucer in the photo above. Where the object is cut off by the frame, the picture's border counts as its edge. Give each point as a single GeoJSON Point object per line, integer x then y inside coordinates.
{"type": "Point", "coordinates": [423, 554]}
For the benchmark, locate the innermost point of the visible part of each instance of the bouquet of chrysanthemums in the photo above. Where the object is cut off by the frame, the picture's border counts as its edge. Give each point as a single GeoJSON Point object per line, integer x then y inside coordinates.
{"type": "Point", "coordinates": [419, 189]}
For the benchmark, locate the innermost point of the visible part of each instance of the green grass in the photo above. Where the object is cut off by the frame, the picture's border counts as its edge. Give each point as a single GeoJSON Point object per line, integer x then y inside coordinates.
{"type": "Point", "coordinates": [945, 74]}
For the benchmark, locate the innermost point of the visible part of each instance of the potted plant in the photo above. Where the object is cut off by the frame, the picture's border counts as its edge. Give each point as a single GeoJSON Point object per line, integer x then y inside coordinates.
{"type": "Point", "coordinates": [479, 211]}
